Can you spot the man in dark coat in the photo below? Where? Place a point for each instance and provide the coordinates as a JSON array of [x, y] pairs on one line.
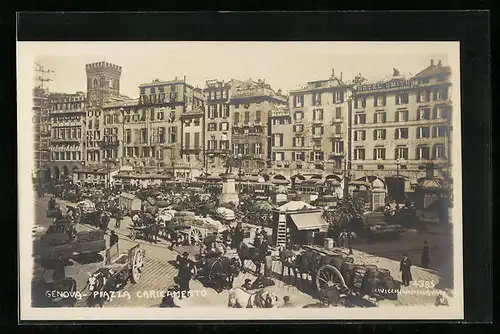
[[59, 268], [404, 267], [184, 274], [113, 240], [425, 255], [52, 203], [105, 221]]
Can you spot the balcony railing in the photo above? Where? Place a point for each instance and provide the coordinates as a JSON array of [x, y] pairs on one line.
[[337, 135], [334, 155], [65, 140], [218, 150], [336, 120], [317, 135], [317, 121]]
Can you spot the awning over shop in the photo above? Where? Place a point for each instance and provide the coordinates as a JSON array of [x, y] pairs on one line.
[[309, 221], [280, 181]]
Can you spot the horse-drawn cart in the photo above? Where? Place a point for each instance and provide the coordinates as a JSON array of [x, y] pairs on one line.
[[331, 269], [193, 229], [128, 265]]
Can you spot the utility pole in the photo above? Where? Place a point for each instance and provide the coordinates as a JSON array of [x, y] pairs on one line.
[[42, 79]]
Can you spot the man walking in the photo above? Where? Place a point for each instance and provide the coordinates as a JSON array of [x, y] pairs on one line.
[[404, 267], [105, 221], [184, 275], [268, 267], [425, 259], [113, 240]]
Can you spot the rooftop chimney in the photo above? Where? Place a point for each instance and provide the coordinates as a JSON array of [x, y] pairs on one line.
[[333, 73], [439, 63], [432, 62], [340, 76]]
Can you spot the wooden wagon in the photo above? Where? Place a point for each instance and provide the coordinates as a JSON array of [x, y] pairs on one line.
[[128, 265], [192, 229], [334, 270]]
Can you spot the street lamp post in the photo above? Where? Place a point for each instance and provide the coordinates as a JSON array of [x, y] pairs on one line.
[[240, 158]]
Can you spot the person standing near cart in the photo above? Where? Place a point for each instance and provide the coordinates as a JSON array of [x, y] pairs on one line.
[[404, 267], [184, 275]]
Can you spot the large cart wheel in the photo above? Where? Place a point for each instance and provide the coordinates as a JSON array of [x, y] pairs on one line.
[[137, 264], [132, 234], [195, 236], [328, 276]]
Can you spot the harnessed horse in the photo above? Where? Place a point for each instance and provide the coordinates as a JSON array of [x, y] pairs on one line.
[[240, 298], [221, 271], [98, 284], [256, 255]]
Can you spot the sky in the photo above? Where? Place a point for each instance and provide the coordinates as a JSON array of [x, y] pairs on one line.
[[284, 65]]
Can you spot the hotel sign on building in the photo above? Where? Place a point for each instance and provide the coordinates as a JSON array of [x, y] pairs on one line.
[[392, 85]]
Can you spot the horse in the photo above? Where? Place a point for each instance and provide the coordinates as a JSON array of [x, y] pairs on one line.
[[97, 284], [303, 263], [253, 254], [221, 271], [240, 298]]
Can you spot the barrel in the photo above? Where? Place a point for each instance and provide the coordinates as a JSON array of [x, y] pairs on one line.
[[369, 280], [347, 271], [328, 243]]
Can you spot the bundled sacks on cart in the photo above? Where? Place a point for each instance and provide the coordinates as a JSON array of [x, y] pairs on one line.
[[86, 206], [225, 214]]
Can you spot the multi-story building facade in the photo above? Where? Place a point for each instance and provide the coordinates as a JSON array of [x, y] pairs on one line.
[[400, 124], [154, 128], [218, 123], [67, 123], [251, 105], [41, 133], [281, 138], [103, 82], [320, 128]]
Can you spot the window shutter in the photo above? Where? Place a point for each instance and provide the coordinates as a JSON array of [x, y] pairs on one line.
[[293, 156], [434, 131], [294, 141], [375, 98], [445, 93], [355, 135], [385, 100], [374, 154], [374, 134], [396, 134], [311, 156], [396, 156], [434, 113], [383, 153], [445, 113], [418, 96], [364, 134], [342, 97], [322, 130], [435, 94], [375, 118], [364, 102], [384, 132]]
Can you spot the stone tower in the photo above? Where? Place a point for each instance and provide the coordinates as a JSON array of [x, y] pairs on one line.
[[103, 81]]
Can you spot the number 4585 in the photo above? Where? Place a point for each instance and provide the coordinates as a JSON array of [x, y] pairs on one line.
[[424, 284]]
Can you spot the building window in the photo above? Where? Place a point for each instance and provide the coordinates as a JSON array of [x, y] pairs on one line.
[[161, 115], [316, 99], [402, 98], [218, 95], [161, 135], [298, 116], [359, 167], [338, 112], [144, 136], [439, 152], [258, 116], [246, 150], [247, 117], [318, 115], [225, 110], [236, 118], [258, 148], [401, 153], [338, 129], [278, 156], [441, 94], [379, 153], [401, 116], [338, 146], [439, 131], [224, 126], [440, 112], [298, 128], [224, 94], [278, 140], [380, 166], [379, 117], [423, 132], [338, 97], [187, 140], [379, 101], [212, 126], [359, 154], [298, 101], [360, 119], [423, 114], [423, 96], [318, 156], [298, 142], [422, 153], [299, 156], [379, 134], [235, 149], [360, 102], [359, 135], [401, 133]]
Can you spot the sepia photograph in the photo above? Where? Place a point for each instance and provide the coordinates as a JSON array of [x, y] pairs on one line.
[[208, 177]]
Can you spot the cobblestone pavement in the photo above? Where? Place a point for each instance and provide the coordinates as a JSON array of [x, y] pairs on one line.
[[159, 274]]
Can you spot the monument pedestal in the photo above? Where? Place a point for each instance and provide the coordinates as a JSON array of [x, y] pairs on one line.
[[229, 194]]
